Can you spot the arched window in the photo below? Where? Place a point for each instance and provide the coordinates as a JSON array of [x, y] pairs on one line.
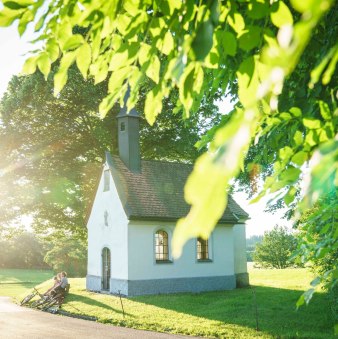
[[161, 246], [202, 249]]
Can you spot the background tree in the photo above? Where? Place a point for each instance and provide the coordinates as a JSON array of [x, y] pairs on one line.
[[251, 244], [23, 250], [276, 248], [68, 254], [53, 148]]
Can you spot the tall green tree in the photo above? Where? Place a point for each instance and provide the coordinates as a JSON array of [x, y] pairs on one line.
[[276, 248]]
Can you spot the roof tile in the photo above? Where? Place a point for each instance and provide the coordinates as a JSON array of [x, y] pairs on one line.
[[157, 192]]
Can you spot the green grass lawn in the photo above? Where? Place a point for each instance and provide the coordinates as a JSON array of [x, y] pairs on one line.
[[14, 282], [226, 314]]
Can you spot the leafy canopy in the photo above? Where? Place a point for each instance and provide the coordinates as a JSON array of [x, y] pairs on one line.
[[251, 48], [52, 148]]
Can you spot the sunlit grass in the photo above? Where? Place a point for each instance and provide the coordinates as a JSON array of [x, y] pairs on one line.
[[14, 282], [227, 314]]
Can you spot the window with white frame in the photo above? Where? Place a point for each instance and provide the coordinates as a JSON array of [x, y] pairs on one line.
[[202, 249], [161, 246]]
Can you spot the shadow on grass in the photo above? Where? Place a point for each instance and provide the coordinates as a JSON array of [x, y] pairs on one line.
[[92, 302], [277, 314]]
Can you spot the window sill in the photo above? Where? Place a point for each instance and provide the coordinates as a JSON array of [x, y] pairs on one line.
[[164, 262], [204, 260]]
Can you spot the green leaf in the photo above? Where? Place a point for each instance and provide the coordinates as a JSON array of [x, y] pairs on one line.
[[316, 72], [186, 87], [229, 43], [250, 38], [7, 16], [83, 59], [291, 174], [106, 104], [73, 42], [302, 6], [40, 23], [29, 66], [285, 116], [236, 21], [285, 153], [299, 158], [311, 123], [17, 4], [43, 63], [52, 48], [153, 70], [26, 18], [60, 78], [324, 110], [203, 40], [257, 9], [144, 53], [117, 79], [248, 81], [153, 104], [295, 111], [215, 11], [281, 14], [124, 56], [173, 5], [290, 196], [165, 45], [300, 301], [330, 69]]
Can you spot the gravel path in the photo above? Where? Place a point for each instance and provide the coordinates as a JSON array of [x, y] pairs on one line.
[[23, 322]]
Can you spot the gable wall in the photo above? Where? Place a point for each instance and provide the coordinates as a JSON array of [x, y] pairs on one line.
[[242, 276], [142, 263], [113, 236]]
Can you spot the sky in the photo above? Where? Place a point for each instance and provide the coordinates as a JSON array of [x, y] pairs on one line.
[[12, 50]]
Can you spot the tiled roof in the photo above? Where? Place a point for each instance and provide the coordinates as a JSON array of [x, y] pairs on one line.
[[156, 193]]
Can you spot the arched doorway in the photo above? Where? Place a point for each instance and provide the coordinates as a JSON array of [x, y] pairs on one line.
[[105, 269]]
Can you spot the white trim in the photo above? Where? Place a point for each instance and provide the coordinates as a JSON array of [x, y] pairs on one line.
[[169, 232]]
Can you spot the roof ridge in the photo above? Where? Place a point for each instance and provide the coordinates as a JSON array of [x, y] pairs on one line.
[[162, 161]]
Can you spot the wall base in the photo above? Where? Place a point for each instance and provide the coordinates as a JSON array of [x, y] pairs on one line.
[[163, 286], [242, 280], [93, 283]]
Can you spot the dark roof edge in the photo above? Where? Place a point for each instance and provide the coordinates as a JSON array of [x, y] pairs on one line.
[[152, 218]]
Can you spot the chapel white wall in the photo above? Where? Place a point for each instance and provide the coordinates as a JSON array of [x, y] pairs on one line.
[[142, 263], [114, 236], [240, 248]]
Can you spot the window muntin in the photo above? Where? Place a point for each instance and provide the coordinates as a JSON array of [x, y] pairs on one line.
[[161, 246], [202, 249], [106, 181]]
